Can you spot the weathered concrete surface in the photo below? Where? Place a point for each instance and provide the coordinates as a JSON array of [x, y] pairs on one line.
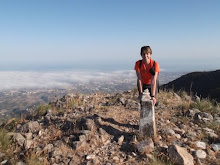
[[147, 127]]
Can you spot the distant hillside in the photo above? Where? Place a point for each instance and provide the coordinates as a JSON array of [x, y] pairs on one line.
[[204, 84]]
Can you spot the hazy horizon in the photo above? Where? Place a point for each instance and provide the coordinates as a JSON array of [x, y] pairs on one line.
[[16, 80]]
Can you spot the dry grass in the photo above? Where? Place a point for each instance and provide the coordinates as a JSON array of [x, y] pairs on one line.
[[6, 145], [161, 159], [37, 159]]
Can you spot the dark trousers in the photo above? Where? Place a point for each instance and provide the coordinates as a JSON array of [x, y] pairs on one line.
[[148, 86]]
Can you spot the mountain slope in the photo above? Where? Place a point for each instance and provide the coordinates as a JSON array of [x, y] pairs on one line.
[[103, 129], [204, 84]]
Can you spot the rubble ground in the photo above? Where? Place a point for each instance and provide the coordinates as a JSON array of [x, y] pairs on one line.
[[101, 128]]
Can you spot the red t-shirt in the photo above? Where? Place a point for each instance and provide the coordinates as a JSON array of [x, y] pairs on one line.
[[144, 70]]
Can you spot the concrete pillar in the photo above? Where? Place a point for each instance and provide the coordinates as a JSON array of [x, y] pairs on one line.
[[147, 126]]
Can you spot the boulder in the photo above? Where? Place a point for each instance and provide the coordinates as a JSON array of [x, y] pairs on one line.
[[32, 127], [203, 116], [180, 155]]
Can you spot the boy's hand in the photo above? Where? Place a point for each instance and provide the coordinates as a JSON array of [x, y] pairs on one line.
[[154, 100]]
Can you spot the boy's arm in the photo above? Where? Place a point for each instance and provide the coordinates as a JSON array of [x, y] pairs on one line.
[[139, 82], [153, 87]]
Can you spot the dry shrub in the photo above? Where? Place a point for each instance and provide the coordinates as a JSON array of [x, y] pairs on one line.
[[203, 105], [36, 159], [5, 140], [42, 109]]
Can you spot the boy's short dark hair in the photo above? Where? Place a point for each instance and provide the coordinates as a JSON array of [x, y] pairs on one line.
[[146, 49]]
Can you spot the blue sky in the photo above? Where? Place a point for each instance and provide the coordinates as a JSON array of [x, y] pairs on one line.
[[97, 34]]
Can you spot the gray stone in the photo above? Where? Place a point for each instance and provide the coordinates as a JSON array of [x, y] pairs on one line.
[[203, 116], [116, 159], [48, 148], [79, 144], [216, 147], [28, 144], [201, 145], [192, 112], [89, 157], [32, 126], [210, 132], [29, 136], [82, 138], [190, 134], [147, 126], [120, 140], [200, 154], [4, 162], [122, 100], [20, 163], [180, 155], [19, 139], [170, 132], [177, 136]]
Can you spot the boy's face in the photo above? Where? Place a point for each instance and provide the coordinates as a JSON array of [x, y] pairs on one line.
[[146, 56]]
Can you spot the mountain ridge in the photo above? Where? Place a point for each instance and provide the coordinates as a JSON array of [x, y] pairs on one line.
[[204, 84]]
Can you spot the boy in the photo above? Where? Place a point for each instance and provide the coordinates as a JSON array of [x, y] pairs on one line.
[[147, 71]]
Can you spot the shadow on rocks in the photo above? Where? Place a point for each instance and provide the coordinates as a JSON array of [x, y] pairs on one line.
[[111, 120], [128, 137]]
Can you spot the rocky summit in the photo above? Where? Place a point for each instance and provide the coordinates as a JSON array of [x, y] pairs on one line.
[[99, 128]]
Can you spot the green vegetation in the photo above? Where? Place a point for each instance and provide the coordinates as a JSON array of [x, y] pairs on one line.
[[5, 140], [205, 105], [41, 109], [182, 93]]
